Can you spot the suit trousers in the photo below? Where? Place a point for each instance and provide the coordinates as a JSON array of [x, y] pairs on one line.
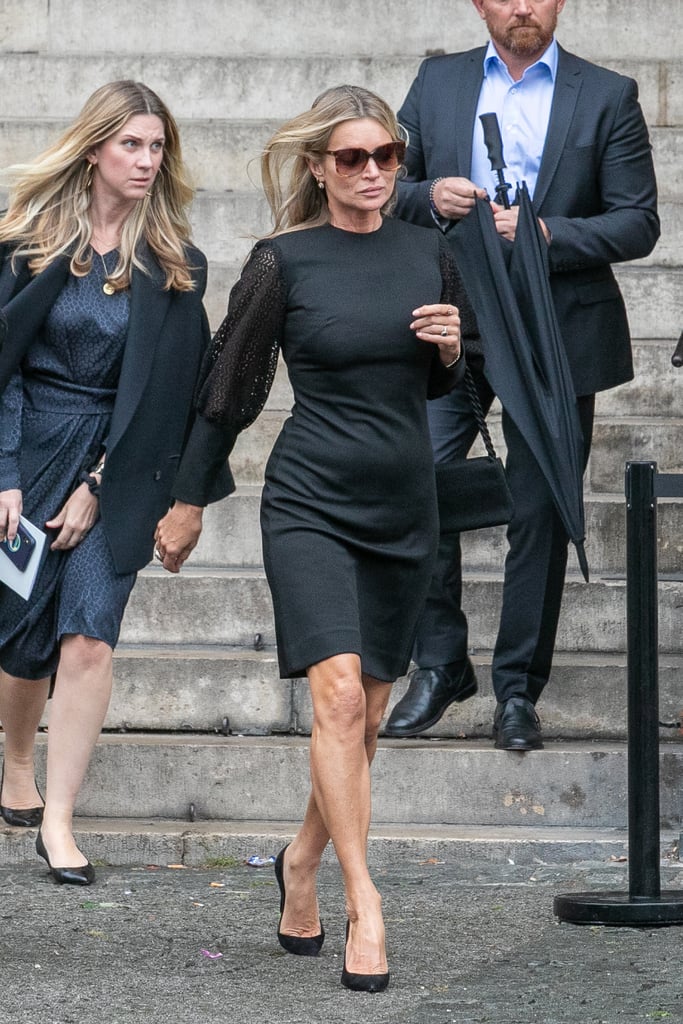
[[534, 567]]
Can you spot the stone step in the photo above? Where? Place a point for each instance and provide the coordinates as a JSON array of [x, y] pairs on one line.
[[215, 689], [633, 439], [279, 86], [231, 536], [225, 223], [614, 443], [652, 296], [415, 782], [656, 389], [223, 154], [232, 606], [633, 29], [217, 844]]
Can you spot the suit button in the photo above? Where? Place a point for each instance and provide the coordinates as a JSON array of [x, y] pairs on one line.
[[157, 474]]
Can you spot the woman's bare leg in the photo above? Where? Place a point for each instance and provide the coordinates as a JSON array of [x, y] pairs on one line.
[[301, 915], [79, 705], [348, 709], [22, 702]]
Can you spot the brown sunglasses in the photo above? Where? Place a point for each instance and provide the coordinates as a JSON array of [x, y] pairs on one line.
[[353, 161]]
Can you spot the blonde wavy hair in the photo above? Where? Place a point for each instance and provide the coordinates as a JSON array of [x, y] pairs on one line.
[[49, 209], [291, 190]]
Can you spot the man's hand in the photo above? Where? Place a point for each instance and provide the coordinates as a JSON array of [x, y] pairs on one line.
[[506, 222], [454, 197]]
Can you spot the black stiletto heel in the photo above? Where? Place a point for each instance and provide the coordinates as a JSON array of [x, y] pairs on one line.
[[29, 817], [292, 943], [362, 982], [82, 875]]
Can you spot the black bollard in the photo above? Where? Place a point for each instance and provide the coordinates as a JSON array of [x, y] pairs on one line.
[[645, 904]]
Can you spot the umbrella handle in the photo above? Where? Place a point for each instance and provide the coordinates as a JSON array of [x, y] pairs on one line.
[[677, 357], [494, 147]]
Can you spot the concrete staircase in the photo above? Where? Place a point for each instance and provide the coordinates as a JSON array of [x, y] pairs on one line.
[[204, 753]]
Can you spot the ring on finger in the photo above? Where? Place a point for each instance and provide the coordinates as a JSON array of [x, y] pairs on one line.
[[444, 331]]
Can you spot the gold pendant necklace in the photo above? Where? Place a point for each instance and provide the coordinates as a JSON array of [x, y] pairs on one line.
[[108, 288]]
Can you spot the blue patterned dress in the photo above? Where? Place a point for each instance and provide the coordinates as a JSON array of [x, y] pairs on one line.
[[54, 421]]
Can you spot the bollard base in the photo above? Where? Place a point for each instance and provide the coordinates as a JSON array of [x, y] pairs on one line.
[[618, 908]]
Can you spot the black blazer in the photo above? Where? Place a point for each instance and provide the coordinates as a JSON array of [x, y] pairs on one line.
[[168, 334], [596, 191]]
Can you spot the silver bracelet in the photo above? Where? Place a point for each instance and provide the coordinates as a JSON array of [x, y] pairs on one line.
[[432, 204]]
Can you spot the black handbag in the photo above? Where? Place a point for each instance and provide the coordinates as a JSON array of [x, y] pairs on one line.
[[473, 493]]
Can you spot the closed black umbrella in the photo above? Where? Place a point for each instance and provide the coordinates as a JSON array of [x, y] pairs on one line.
[[526, 363]]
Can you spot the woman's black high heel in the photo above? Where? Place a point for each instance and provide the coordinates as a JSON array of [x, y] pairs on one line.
[[82, 875], [292, 943], [362, 982], [29, 817]]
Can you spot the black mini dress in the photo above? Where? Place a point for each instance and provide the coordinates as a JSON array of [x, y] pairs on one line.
[[349, 517]]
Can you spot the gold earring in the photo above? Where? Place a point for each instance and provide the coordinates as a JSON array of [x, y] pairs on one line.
[[89, 172]]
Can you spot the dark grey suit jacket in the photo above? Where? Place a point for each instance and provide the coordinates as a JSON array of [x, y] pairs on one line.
[[596, 191], [168, 334]]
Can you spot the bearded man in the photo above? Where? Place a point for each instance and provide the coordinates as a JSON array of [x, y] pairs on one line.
[[576, 134]]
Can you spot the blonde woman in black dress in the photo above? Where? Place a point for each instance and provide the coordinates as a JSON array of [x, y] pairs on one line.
[[365, 311], [102, 293]]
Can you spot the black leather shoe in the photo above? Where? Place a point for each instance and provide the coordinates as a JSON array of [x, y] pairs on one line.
[[293, 943], [430, 692], [24, 817], [82, 875], [516, 726], [29, 818]]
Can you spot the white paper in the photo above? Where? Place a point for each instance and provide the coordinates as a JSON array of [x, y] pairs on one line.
[[22, 582]]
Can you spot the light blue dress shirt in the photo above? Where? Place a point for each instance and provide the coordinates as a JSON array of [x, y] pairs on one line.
[[523, 110]]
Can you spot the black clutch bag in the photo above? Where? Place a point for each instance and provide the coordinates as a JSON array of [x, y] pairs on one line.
[[473, 493]]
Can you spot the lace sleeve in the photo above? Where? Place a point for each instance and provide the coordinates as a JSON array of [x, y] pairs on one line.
[[454, 293], [241, 361], [443, 379]]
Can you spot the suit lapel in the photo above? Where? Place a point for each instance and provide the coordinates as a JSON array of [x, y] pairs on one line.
[[466, 98], [26, 309], [567, 89], [148, 307], [10, 282]]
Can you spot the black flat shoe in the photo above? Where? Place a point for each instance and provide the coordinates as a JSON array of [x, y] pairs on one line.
[[83, 875], [430, 693], [24, 817], [362, 982], [516, 726], [32, 817], [292, 943]]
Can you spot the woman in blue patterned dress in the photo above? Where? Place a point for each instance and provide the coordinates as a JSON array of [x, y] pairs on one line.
[[102, 294]]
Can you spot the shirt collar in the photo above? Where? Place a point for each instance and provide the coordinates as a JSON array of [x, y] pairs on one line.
[[548, 59]]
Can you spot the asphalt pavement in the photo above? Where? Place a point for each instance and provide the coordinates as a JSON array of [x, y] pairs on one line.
[[468, 943]]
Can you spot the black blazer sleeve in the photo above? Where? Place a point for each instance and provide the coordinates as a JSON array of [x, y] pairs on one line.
[[603, 205]]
